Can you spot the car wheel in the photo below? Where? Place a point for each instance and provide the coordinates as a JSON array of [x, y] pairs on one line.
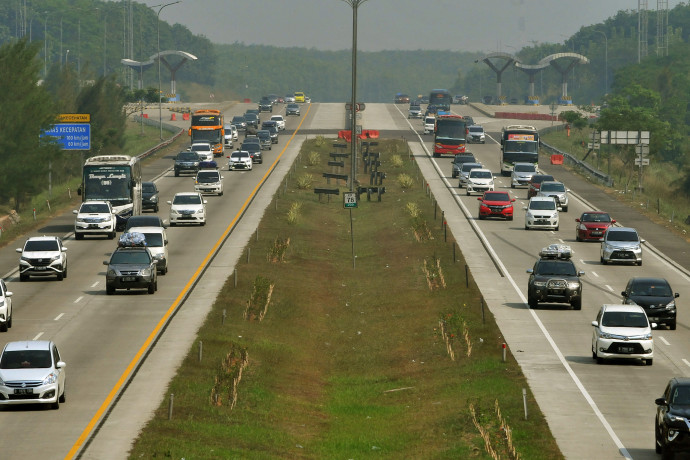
[[172, 224], [3, 327], [577, 304], [667, 454], [594, 354], [177, 173], [603, 262], [577, 237], [9, 320], [526, 227], [60, 276], [671, 326], [468, 193], [481, 217], [565, 209], [454, 176], [649, 362], [510, 217], [203, 223], [152, 288], [556, 228], [155, 285], [532, 302], [600, 360], [220, 194], [155, 209], [56, 404], [512, 185], [639, 264], [78, 236], [111, 235], [64, 272], [23, 277], [109, 290]]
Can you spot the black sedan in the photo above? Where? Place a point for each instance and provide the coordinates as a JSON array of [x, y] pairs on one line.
[[149, 196], [655, 296]]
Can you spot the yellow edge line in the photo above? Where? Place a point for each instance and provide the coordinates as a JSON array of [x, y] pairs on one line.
[[137, 357]]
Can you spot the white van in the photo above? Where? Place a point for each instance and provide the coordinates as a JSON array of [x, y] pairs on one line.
[[429, 124], [209, 181]]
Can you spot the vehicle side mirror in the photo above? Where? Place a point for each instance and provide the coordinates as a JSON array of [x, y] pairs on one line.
[[642, 241], [653, 325], [19, 250], [624, 294], [512, 200], [75, 212], [530, 271], [165, 241], [479, 198], [660, 402], [595, 323], [105, 262], [577, 220], [169, 202], [613, 221], [525, 208], [581, 273], [676, 295], [64, 249], [60, 364], [9, 294], [205, 201]]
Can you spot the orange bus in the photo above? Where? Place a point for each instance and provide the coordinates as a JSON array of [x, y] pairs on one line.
[[207, 126]]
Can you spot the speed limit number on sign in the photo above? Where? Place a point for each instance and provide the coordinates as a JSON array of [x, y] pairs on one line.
[[349, 200]]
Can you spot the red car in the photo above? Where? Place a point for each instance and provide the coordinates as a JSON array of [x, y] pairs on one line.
[[592, 225], [535, 184], [496, 204]]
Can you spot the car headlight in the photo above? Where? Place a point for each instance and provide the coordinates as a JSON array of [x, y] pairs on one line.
[[606, 335], [583, 227], [573, 285], [647, 336], [107, 219], [145, 272], [54, 258], [50, 379], [111, 272], [528, 214], [540, 283], [24, 259], [174, 211], [158, 256], [81, 219], [200, 211], [669, 306], [554, 215]]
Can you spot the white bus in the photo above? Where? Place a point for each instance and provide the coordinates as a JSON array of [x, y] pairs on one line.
[[114, 178]]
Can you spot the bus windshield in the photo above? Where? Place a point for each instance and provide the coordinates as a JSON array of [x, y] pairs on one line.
[[212, 136], [111, 183], [521, 146], [450, 129]]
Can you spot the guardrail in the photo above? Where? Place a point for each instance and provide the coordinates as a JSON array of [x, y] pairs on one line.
[[571, 160], [167, 127]]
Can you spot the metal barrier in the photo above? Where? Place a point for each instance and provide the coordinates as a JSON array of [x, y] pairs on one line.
[[151, 122], [571, 160]]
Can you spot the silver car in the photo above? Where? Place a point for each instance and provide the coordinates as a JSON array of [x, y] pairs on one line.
[[464, 172], [621, 244], [475, 134], [556, 190], [522, 174]]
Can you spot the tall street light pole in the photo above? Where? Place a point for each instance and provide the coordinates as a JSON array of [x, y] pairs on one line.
[[160, 97], [606, 61], [105, 32], [354, 4], [45, 46]]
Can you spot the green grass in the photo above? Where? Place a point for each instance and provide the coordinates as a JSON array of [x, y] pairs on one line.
[[662, 198], [347, 363]]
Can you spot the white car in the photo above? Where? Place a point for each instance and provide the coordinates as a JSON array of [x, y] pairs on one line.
[[280, 121], [240, 159], [289, 98], [479, 180], [227, 134], [187, 208], [43, 256], [622, 331], [5, 307], [157, 242], [522, 174], [475, 133], [557, 190], [203, 149], [429, 124], [464, 172], [542, 212], [32, 372], [94, 218], [209, 181]]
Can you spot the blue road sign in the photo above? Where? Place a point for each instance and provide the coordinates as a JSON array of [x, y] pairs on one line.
[[71, 136]]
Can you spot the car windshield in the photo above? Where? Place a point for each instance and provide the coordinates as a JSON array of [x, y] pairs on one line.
[[94, 208], [130, 257], [525, 168], [540, 179], [207, 177], [460, 159], [253, 147], [496, 196], [556, 268], [480, 174], [41, 245], [595, 217], [154, 240], [26, 359], [542, 205], [470, 166], [651, 289], [624, 319], [476, 129], [148, 187], [557, 187], [238, 119], [143, 221], [616, 235], [239, 155], [681, 396], [187, 199], [187, 156]]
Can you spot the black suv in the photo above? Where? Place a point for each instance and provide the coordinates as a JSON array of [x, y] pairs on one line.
[[131, 268], [655, 296], [460, 159], [149, 196], [272, 128], [252, 120], [265, 105], [186, 162], [672, 425], [554, 278]]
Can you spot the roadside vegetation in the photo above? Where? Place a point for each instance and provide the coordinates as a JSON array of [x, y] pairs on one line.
[[314, 355]]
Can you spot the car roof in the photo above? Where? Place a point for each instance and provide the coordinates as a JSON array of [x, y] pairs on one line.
[[476, 126], [98, 201], [549, 182], [185, 194], [146, 230], [682, 381], [28, 345], [43, 238], [480, 170], [622, 229], [622, 307], [542, 177], [542, 198]]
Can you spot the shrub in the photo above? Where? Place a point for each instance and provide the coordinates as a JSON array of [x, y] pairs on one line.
[[405, 181], [305, 181], [293, 213], [314, 158], [396, 161]]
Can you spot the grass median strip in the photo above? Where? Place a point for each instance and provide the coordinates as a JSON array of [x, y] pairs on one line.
[[317, 359]]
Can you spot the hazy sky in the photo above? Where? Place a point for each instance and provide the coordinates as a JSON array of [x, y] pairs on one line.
[[458, 25]]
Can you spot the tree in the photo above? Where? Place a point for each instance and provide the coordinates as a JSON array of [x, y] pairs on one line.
[[104, 101], [26, 110]]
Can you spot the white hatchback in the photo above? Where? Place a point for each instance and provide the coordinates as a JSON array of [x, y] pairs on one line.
[[542, 212], [209, 181], [280, 121], [187, 208], [479, 180], [203, 149], [240, 159], [622, 331]]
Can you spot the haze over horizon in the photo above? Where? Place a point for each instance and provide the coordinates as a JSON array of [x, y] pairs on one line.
[[489, 25]]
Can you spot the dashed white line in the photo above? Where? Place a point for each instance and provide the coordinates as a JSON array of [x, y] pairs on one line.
[[608, 287], [686, 362], [41, 333], [95, 284], [595, 274], [664, 340], [58, 317], [79, 299]]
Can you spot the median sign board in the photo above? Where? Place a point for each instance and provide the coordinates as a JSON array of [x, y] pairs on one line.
[[349, 200], [71, 136]]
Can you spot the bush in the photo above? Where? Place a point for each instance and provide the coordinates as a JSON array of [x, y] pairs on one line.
[[405, 181], [305, 181]]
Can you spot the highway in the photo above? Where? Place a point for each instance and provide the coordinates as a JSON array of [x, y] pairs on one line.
[[595, 411]]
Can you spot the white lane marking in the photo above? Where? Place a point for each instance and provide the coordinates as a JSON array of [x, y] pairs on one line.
[[58, 317], [686, 362], [595, 274], [79, 298], [664, 340], [95, 284], [41, 333], [561, 240], [608, 287], [578, 383]]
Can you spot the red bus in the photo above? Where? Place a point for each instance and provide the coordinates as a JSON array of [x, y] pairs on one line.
[[449, 135]]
